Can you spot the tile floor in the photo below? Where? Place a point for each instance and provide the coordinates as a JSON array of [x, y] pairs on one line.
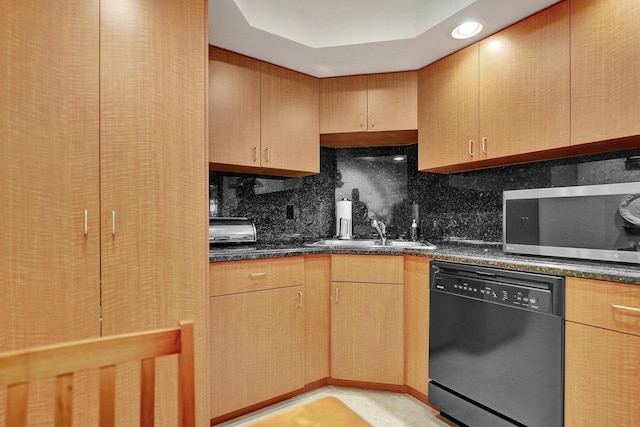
[[378, 408]]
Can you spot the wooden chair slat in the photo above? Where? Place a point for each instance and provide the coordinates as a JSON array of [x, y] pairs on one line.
[[64, 401], [17, 402], [147, 392]]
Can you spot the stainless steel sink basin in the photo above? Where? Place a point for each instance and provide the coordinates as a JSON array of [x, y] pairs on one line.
[[372, 244]]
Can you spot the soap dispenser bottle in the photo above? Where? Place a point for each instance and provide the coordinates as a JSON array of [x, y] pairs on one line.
[[413, 231]]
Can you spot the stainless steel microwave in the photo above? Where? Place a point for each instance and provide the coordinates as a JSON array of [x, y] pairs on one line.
[[599, 222]]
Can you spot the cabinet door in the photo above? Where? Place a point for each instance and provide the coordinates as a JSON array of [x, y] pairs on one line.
[[290, 132], [153, 177], [257, 347], [605, 70], [367, 332], [601, 377], [524, 85], [317, 284], [49, 265], [416, 287], [448, 120], [234, 108], [392, 100], [343, 104]]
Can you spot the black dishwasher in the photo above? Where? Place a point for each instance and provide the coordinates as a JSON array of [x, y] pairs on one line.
[[496, 346]]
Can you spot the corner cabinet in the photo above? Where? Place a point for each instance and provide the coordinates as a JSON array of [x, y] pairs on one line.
[[605, 70], [503, 97], [375, 107], [263, 118], [104, 173], [602, 349], [367, 339]]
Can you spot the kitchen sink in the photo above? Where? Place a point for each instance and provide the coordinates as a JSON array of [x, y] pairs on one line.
[[372, 244]]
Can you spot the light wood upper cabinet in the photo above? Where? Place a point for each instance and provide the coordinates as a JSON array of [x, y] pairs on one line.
[[343, 104], [448, 98], [234, 108], [367, 339], [505, 96], [290, 134], [369, 103], [524, 86], [262, 118], [602, 349], [605, 70], [392, 100]]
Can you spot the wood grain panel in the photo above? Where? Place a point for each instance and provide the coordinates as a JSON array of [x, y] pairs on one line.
[[367, 268], [367, 332], [153, 162], [590, 302], [343, 104], [448, 110], [290, 131], [317, 284], [234, 108], [257, 347], [601, 377], [416, 327], [234, 277], [49, 269], [524, 85], [392, 100], [605, 70]]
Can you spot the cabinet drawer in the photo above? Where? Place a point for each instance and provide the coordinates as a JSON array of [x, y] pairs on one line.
[[609, 305], [233, 277], [367, 268]]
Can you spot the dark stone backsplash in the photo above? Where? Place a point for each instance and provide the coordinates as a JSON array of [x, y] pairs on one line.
[[464, 205]]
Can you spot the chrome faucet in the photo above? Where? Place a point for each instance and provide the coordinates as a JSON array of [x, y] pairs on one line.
[[381, 228]]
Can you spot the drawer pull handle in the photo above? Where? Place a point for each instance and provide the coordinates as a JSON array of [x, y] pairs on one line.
[[86, 222], [337, 294], [301, 300], [470, 147], [624, 307], [257, 274]]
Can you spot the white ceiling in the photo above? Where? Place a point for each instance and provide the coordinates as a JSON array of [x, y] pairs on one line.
[[326, 38]]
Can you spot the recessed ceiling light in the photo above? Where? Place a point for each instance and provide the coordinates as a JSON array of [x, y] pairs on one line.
[[467, 29]]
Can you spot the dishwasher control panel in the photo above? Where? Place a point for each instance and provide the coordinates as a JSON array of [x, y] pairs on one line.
[[515, 295]]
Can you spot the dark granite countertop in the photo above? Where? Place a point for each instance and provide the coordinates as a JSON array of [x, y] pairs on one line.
[[490, 255]]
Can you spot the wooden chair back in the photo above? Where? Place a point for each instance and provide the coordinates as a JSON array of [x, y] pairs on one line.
[[18, 368]]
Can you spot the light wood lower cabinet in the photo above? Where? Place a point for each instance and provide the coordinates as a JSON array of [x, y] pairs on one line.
[[416, 326], [257, 326], [367, 340], [317, 307], [257, 347], [602, 350]]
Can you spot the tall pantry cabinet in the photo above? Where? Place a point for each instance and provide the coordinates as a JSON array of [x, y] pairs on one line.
[[103, 166]]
